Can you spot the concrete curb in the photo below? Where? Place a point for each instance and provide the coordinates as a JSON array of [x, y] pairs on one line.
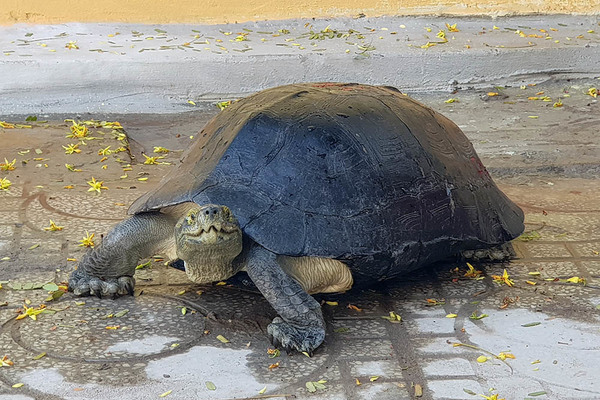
[[147, 68]]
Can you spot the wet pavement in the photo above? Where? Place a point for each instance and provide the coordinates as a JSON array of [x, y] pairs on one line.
[[165, 340]]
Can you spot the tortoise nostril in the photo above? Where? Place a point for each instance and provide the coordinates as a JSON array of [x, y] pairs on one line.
[[206, 212], [215, 212]]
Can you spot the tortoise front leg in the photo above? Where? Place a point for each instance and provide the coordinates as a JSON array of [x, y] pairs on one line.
[[107, 270], [300, 325]]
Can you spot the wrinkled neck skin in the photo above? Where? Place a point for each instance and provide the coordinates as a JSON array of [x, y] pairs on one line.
[[210, 265]]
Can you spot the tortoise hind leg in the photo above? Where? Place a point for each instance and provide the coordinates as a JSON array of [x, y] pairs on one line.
[[500, 253]]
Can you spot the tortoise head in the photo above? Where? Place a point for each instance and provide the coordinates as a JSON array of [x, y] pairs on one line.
[[208, 238]]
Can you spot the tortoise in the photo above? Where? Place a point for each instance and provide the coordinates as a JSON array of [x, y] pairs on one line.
[[311, 188]]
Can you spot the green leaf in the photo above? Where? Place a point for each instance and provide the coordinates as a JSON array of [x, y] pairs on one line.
[[39, 356], [472, 393], [310, 386], [121, 313], [31, 118], [210, 385], [534, 394], [183, 310], [341, 330], [263, 390], [477, 317], [51, 287], [222, 339], [55, 295], [529, 236], [15, 286], [159, 30], [531, 324], [144, 265], [319, 385], [165, 394]]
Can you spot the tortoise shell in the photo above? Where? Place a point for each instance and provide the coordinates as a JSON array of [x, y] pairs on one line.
[[354, 172]]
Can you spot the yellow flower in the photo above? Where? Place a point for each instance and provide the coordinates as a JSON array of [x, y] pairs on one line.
[[53, 227], [8, 166], [87, 241], [152, 160], [224, 104], [505, 278], [503, 356], [159, 149], [4, 184], [104, 152], [492, 397], [78, 130], [72, 148], [472, 272], [31, 312], [452, 28], [72, 45], [72, 168], [96, 185]]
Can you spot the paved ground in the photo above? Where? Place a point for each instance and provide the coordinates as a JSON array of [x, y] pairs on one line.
[[164, 340], [159, 68]]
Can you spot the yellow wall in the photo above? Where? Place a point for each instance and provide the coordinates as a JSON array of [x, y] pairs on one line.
[[220, 11]]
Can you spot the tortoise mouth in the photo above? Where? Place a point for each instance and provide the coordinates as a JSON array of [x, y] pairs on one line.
[[214, 229]]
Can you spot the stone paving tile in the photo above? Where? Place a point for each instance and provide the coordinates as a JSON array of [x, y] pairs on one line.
[[453, 388], [383, 391], [547, 250], [450, 367]]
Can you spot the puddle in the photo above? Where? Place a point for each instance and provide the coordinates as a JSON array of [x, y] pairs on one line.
[[149, 345], [567, 352], [184, 374]]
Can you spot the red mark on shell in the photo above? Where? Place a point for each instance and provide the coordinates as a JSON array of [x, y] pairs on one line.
[[480, 167]]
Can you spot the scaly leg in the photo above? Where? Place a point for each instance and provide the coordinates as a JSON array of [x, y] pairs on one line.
[[300, 325], [107, 270]]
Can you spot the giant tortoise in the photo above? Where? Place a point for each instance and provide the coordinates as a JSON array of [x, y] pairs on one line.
[[310, 188]]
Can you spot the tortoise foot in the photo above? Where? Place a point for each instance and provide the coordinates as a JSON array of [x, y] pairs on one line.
[[83, 284], [293, 338], [503, 252]]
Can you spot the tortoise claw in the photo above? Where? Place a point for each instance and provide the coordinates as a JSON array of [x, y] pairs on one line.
[[291, 338], [83, 284]]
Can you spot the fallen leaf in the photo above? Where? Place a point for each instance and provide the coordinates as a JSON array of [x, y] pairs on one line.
[[222, 339], [18, 385], [165, 394], [477, 317], [418, 390], [535, 394], [482, 359], [210, 385], [531, 324], [263, 390], [451, 315]]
